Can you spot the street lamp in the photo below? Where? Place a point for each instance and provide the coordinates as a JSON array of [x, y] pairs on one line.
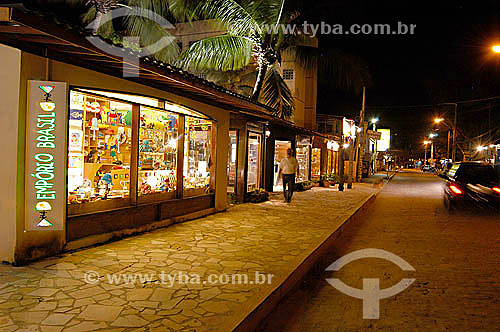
[[451, 127], [374, 122], [496, 49]]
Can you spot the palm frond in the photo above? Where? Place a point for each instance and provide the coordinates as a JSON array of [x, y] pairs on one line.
[[184, 10], [149, 33], [277, 94], [237, 20], [225, 52], [306, 56], [348, 72], [344, 71]]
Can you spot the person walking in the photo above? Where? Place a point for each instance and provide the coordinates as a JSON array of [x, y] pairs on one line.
[[289, 166]]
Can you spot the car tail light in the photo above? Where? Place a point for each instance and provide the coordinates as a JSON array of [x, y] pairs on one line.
[[496, 189], [456, 190]]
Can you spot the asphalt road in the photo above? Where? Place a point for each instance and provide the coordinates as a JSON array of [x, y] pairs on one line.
[[456, 261]]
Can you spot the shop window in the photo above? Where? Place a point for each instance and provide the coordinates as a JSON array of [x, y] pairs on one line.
[[303, 157], [288, 74], [199, 157], [316, 163], [254, 161], [99, 149], [232, 161], [158, 138]]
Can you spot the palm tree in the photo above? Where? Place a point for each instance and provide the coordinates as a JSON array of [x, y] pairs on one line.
[[254, 33]]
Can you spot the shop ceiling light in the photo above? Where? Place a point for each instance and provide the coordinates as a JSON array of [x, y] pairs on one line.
[[496, 189]]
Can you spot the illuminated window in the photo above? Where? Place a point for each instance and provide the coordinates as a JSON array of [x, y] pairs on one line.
[[99, 149], [316, 163], [254, 168], [232, 161], [157, 152], [199, 157]]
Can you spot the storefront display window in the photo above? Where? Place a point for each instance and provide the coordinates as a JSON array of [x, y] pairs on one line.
[[199, 157], [122, 153], [232, 161], [99, 149], [303, 157], [316, 163], [157, 152], [254, 161]]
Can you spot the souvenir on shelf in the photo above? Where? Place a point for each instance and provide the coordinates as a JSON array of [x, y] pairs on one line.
[[100, 149]]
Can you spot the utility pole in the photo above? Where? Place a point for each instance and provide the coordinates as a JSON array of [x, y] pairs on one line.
[[425, 160], [341, 166], [362, 138], [352, 156], [432, 153], [454, 153], [448, 149]]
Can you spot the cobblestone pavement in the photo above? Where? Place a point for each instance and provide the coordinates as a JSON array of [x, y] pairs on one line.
[[456, 259], [52, 295]]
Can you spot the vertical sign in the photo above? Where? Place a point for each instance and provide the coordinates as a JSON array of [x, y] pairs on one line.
[[384, 143], [45, 156]]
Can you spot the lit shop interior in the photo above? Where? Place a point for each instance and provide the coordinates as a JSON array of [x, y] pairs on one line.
[[303, 155], [316, 163], [126, 149], [245, 157]]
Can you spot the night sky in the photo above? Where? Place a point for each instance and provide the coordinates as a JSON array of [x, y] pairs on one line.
[[448, 59]]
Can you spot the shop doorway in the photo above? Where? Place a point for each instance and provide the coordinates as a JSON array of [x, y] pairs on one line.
[[280, 148], [254, 169]]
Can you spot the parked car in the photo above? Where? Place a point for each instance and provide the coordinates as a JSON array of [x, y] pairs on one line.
[[428, 169], [471, 184]]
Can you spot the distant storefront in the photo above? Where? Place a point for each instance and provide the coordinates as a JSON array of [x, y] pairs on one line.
[[246, 156]]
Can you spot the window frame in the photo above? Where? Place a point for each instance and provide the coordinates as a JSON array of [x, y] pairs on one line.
[[133, 199]]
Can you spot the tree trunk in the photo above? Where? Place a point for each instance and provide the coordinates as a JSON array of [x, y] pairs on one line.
[[97, 23], [259, 83]]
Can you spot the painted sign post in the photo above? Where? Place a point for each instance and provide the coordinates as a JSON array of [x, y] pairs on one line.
[[45, 156]]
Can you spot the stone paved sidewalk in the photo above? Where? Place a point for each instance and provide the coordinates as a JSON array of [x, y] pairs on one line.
[[52, 295]]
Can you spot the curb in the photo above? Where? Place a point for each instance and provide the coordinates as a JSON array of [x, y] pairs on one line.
[[258, 309]]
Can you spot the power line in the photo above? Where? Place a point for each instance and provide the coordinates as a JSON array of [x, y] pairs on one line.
[[433, 105]]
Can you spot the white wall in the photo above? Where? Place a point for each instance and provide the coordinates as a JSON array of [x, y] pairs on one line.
[[10, 69]]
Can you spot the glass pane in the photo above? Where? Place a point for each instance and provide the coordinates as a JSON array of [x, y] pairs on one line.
[[254, 162], [316, 163], [303, 159], [199, 156], [158, 138], [99, 149], [231, 161]]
